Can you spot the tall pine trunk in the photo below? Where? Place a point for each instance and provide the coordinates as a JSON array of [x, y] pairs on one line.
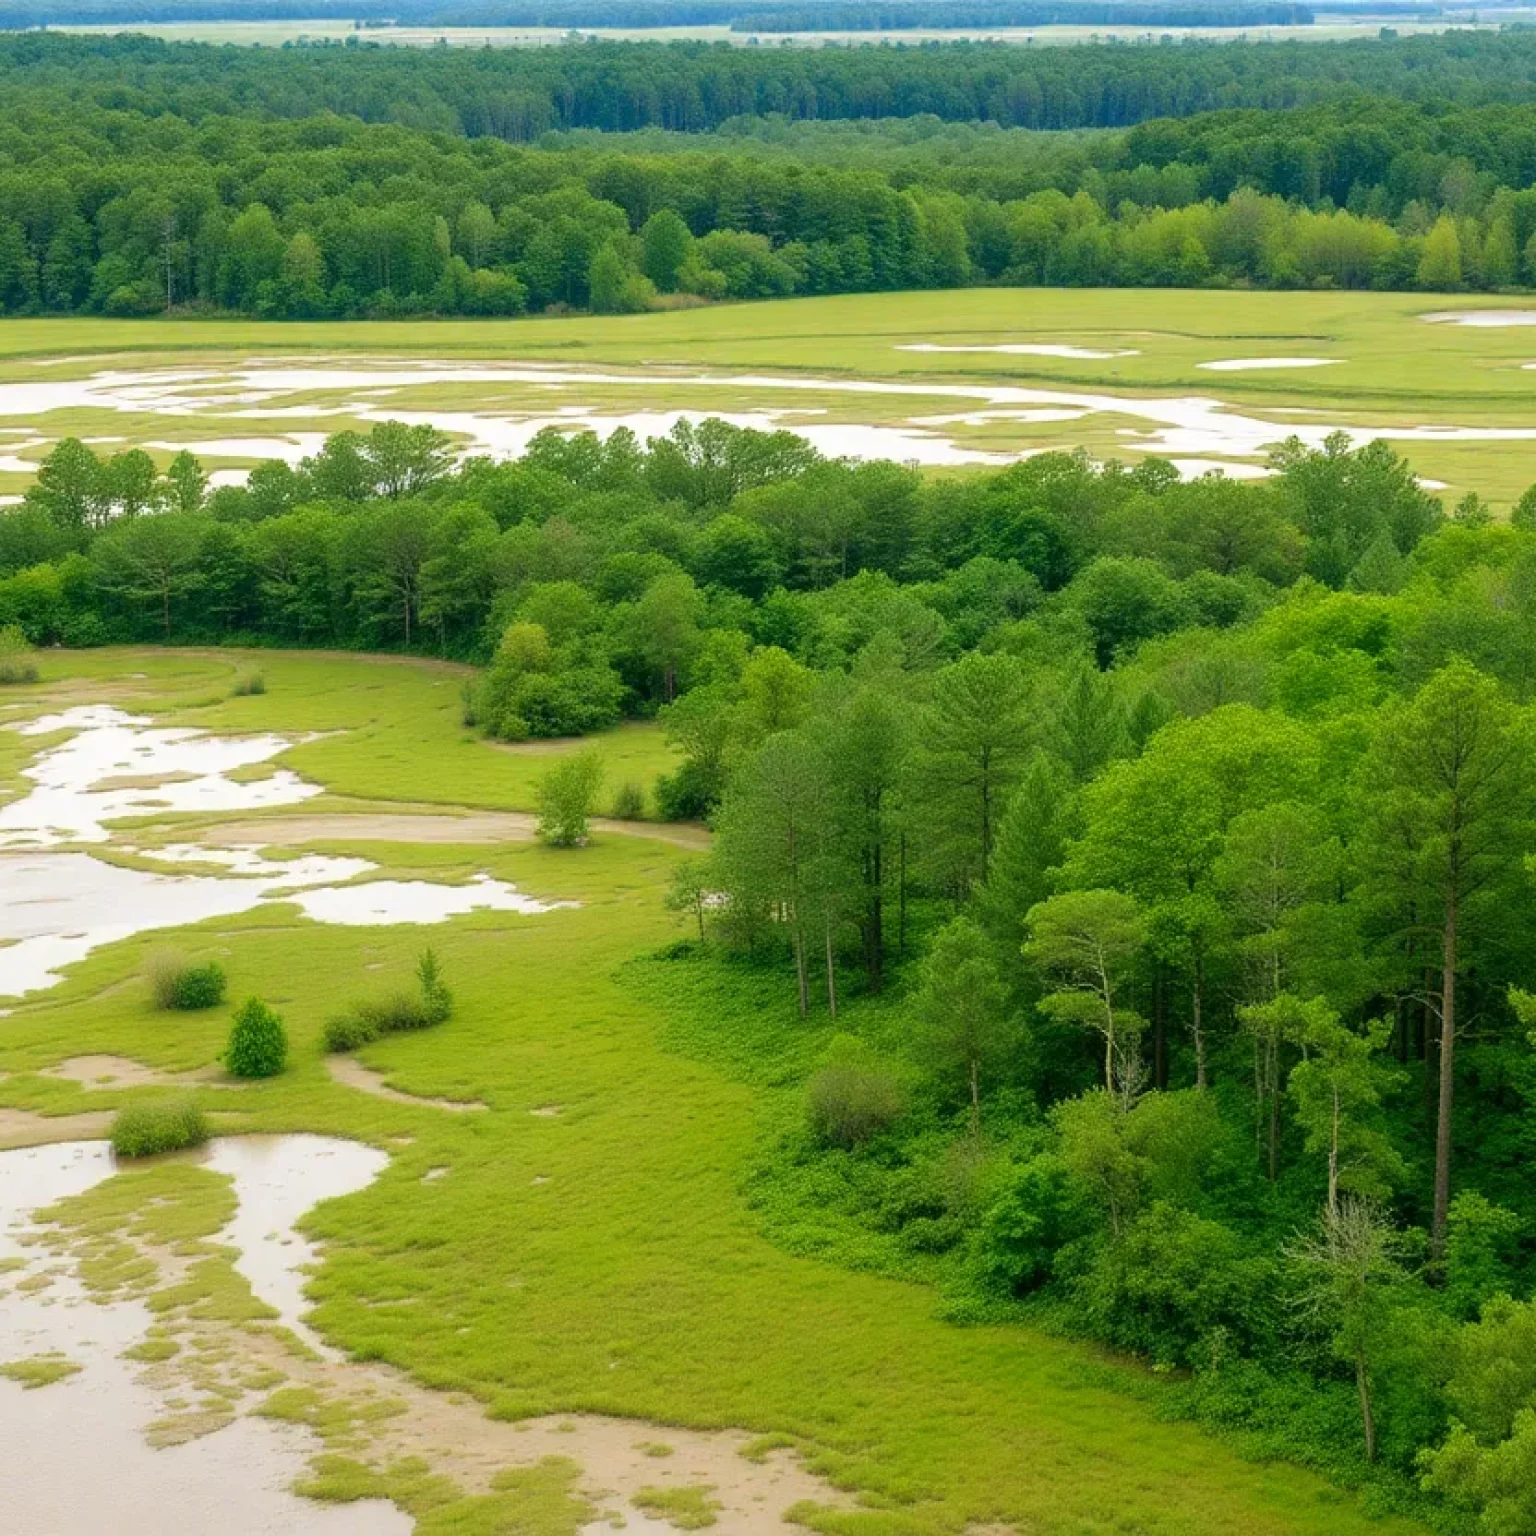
[[1442, 1203]]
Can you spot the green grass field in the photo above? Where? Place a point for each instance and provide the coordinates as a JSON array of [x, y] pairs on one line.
[[605, 1259], [1391, 372]]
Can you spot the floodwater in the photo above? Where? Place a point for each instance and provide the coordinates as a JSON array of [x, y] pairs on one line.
[[1251, 364], [1482, 318], [1024, 349], [77, 1460], [57, 904], [1176, 426]]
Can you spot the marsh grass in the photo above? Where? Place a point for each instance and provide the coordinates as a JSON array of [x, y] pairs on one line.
[[250, 682], [689, 1508], [39, 1370], [166, 1125]]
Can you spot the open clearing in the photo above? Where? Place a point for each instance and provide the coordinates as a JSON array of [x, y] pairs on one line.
[[594, 1279], [1208, 379]]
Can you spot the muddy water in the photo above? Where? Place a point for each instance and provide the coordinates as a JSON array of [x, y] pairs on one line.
[[57, 906], [77, 1461], [1177, 427]]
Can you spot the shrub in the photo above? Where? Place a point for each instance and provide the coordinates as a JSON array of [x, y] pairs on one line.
[[162, 973], [566, 794], [200, 986], [436, 999], [258, 1042], [848, 1103], [349, 1031], [248, 681], [175, 984], [394, 1013], [629, 802], [141, 1130], [16, 660]]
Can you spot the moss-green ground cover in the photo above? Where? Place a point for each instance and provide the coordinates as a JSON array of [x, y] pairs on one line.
[[1390, 369], [604, 1258]]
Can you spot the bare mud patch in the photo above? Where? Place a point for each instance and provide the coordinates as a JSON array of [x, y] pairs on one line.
[[429, 828], [351, 1073], [123, 1072]]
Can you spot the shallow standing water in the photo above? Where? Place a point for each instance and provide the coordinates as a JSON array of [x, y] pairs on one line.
[[56, 906], [77, 1461]]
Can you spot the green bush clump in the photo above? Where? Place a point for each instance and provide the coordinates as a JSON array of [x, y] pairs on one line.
[[173, 983], [142, 1130], [848, 1103], [248, 682], [258, 1042], [16, 658], [394, 1013]]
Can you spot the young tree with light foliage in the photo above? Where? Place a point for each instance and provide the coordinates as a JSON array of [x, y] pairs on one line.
[[963, 1006], [566, 795], [1086, 942], [1347, 1269]]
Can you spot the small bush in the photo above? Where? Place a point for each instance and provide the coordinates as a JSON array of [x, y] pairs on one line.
[[629, 802], [175, 984], [16, 659], [142, 1130], [258, 1042], [847, 1104], [350, 1031], [248, 682], [200, 986], [394, 1013]]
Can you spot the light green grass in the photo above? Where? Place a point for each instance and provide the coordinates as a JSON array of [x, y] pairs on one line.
[[39, 1371], [605, 1260], [1393, 369]]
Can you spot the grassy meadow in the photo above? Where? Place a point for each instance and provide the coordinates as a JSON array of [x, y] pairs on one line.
[[1389, 370], [604, 1257]]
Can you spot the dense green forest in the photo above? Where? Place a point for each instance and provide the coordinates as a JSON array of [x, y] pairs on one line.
[[136, 177], [1160, 847]]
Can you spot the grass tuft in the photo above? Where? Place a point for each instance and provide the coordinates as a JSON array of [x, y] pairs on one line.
[[689, 1508], [143, 1130], [39, 1371]]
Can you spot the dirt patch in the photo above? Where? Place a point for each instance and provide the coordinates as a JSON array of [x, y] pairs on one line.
[[123, 1072], [139, 781], [351, 1073], [22, 1128], [548, 1111], [393, 827]]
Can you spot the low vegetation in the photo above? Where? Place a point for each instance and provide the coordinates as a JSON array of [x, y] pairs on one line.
[[689, 1508], [175, 983], [39, 1371], [395, 1012], [258, 1041], [161, 1125], [18, 662], [249, 682]]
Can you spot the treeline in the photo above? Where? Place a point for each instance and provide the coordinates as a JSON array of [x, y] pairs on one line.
[[904, 15], [746, 15], [1094, 823], [106, 212], [519, 93]]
